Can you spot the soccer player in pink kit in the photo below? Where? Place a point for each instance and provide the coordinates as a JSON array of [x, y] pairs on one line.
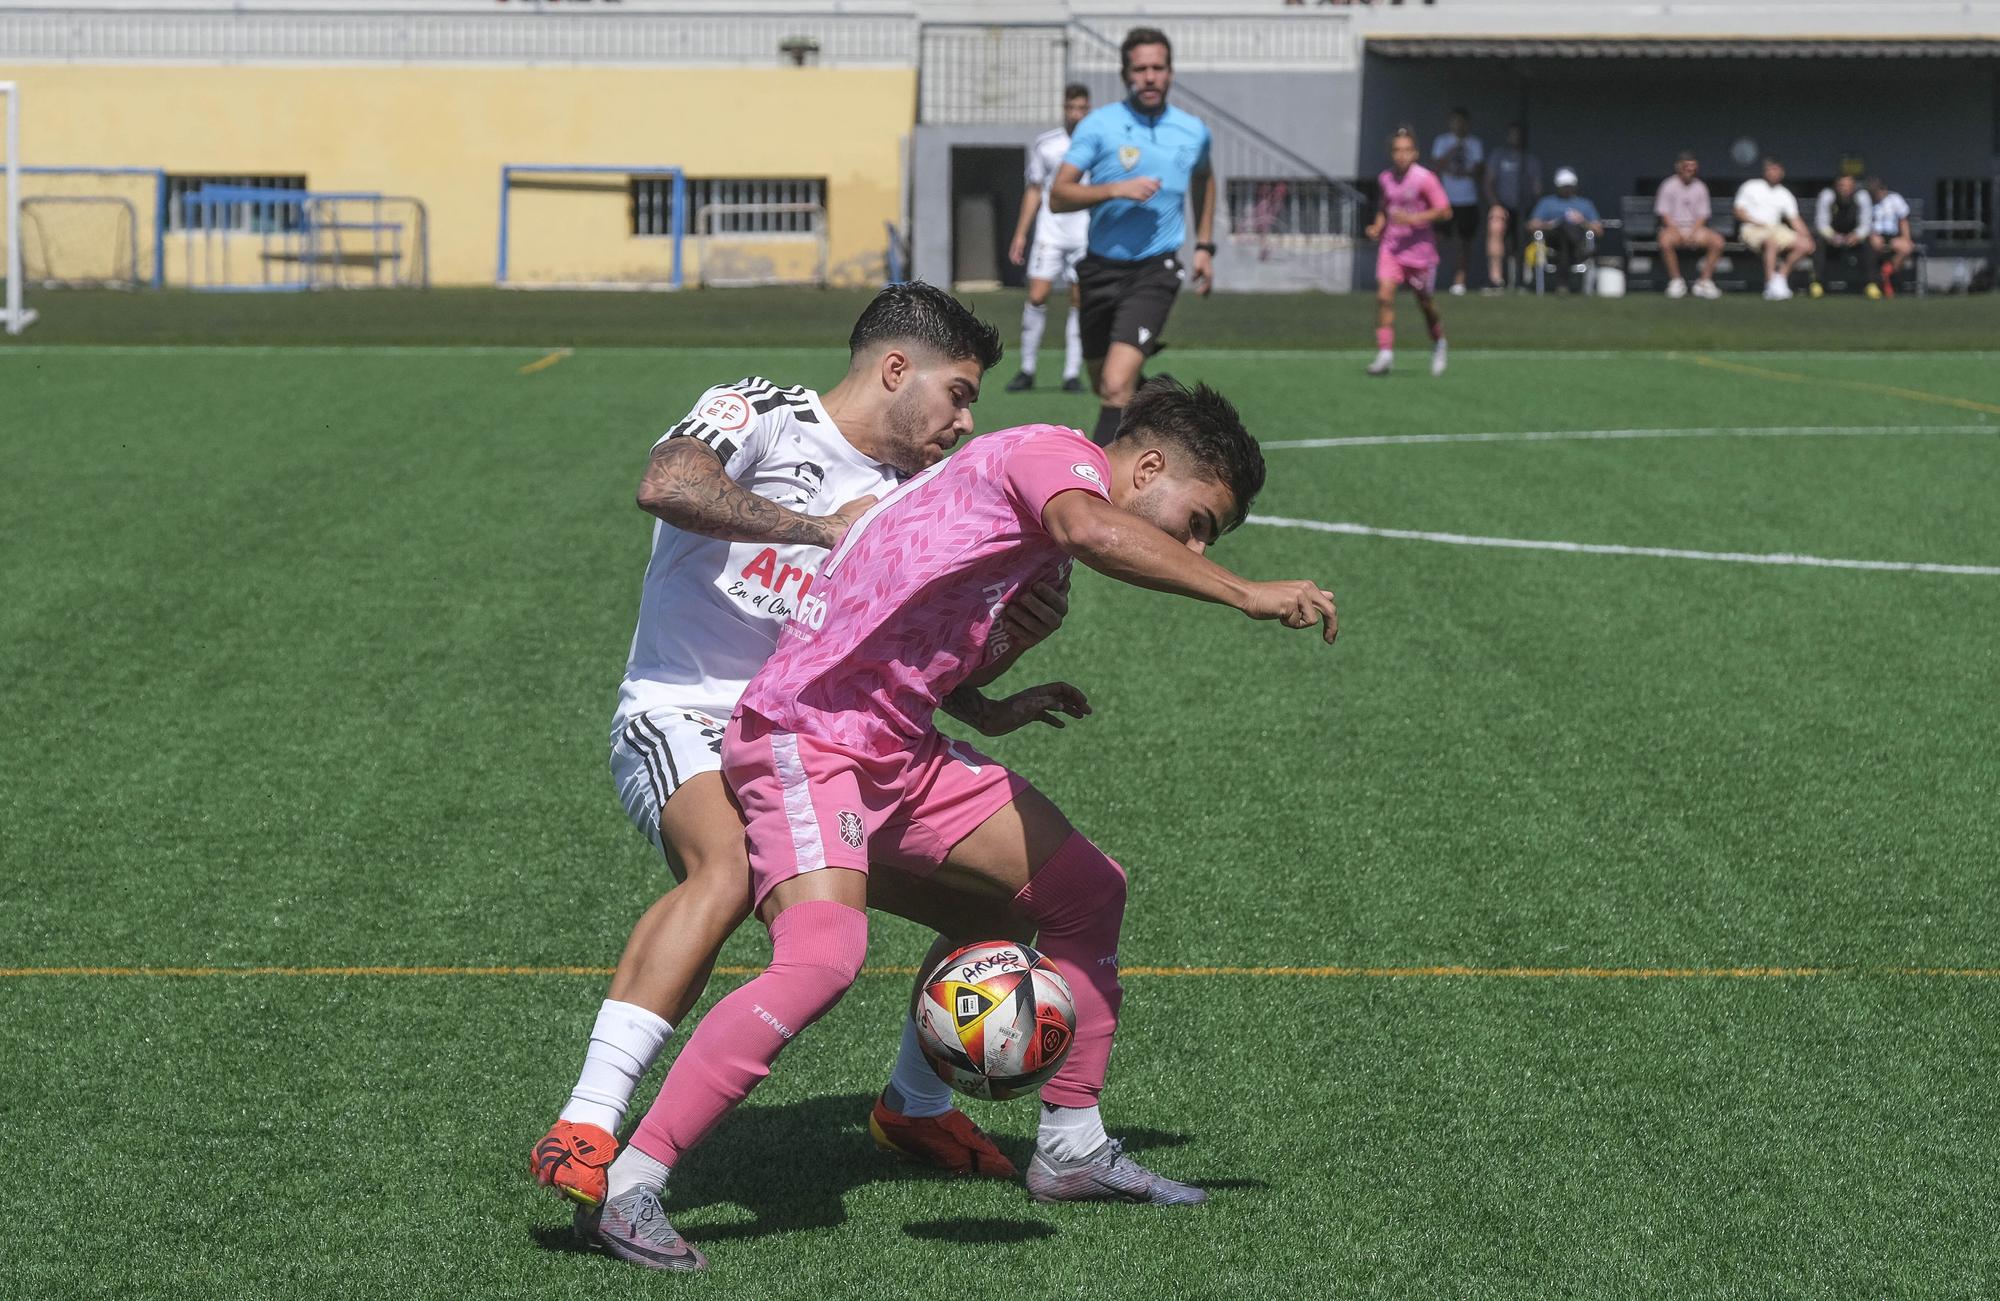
[[1413, 201], [836, 763]]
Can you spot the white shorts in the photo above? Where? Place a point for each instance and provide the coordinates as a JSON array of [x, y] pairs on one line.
[[653, 754], [1054, 263]]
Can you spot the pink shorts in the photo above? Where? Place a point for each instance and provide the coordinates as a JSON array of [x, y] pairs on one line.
[[809, 804], [1418, 272]]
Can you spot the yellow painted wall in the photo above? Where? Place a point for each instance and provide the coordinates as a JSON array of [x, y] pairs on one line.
[[441, 134]]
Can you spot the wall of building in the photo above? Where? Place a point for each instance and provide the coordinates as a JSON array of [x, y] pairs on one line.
[[440, 134]]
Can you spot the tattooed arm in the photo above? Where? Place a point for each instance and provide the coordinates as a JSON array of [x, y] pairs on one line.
[[687, 486]]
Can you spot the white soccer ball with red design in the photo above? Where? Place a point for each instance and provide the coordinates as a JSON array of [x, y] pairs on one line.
[[996, 1019]]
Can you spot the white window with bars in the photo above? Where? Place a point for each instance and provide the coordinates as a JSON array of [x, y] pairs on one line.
[[763, 207], [1262, 207], [250, 218]]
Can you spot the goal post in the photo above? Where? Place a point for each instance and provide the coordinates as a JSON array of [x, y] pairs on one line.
[[14, 315], [94, 227], [591, 226]]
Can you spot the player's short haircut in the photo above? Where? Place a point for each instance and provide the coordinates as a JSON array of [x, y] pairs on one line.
[[1203, 426], [1075, 90], [1684, 156], [1461, 111], [1772, 160], [1874, 183], [915, 312], [1142, 36], [1402, 131]]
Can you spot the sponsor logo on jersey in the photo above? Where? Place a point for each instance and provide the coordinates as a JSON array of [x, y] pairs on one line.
[[850, 829], [1085, 470], [726, 411]]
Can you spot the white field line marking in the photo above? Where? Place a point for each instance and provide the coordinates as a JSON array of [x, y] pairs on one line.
[[494, 349], [1590, 435], [1610, 549]]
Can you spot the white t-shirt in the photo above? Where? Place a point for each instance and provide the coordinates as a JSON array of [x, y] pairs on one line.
[[1459, 190], [1765, 204], [710, 610], [1045, 159], [1890, 214]]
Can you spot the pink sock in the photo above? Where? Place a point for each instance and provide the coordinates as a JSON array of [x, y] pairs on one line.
[[1385, 337], [1078, 901], [817, 948]]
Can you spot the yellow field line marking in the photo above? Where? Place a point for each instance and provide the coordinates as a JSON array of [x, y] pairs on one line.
[[1309, 973], [1858, 385], [548, 361]]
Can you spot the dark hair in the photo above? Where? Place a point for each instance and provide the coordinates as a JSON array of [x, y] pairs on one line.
[[1142, 36], [1075, 90], [1402, 131], [1685, 156], [1461, 112], [1203, 426], [1772, 160], [1874, 183], [914, 312]]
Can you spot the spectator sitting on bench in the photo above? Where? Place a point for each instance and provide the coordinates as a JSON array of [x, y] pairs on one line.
[[1844, 219], [1682, 206], [1567, 222], [1892, 239], [1512, 183], [1768, 223]]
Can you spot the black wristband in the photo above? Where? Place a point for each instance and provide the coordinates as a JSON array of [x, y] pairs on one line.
[[1205, 248]]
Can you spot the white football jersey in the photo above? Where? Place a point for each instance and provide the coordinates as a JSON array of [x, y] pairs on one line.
[[1045, 159], [710, 610]]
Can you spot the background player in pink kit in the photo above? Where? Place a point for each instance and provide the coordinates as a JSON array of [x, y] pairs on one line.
[[1413, 201], [836, 763]]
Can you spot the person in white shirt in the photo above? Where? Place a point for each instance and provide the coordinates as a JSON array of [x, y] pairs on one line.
[[1768, 223], [1843, 220], [749, 492], [1061, 240], [1892, 240], [1459, 159]]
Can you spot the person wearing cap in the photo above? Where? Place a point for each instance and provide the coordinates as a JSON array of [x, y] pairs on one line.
[[1567, 221]]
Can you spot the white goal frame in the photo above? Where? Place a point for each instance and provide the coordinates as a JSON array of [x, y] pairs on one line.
[[13, 315]]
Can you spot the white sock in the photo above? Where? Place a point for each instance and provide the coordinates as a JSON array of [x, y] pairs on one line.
[[1034, 320], [1070, 1133], [1073, 344], [914, 1087], [624, 1044], [634, 1169]]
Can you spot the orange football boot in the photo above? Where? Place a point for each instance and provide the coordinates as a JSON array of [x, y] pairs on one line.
[[950, 1142], [571, 1159]]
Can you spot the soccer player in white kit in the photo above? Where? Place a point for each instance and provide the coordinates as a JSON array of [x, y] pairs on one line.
[[749, 491], [1061, 239]]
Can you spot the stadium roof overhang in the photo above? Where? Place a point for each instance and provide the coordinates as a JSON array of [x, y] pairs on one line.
[[1681, 47]]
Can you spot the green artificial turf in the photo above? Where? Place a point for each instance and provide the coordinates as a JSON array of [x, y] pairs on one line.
[[309, 657]]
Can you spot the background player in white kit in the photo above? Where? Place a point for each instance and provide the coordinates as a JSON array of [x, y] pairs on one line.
[[749, 491], [1061, 239]]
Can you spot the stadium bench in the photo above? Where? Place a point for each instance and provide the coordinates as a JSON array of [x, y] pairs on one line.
[[1738, 269]]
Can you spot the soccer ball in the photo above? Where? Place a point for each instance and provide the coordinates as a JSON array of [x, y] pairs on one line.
[[996, 1019]]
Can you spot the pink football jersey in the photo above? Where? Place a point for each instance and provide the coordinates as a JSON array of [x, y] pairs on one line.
[[1419, 190], [908, 606]]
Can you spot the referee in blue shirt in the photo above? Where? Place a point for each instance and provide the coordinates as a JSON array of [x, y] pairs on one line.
[[1144, 160]]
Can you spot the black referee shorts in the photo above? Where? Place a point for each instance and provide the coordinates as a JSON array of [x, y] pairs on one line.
[[1125, 302]]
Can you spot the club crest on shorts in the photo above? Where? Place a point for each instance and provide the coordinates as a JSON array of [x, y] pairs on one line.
[[850, 829]]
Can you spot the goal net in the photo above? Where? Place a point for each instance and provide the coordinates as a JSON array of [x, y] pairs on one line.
[[92, 227]]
